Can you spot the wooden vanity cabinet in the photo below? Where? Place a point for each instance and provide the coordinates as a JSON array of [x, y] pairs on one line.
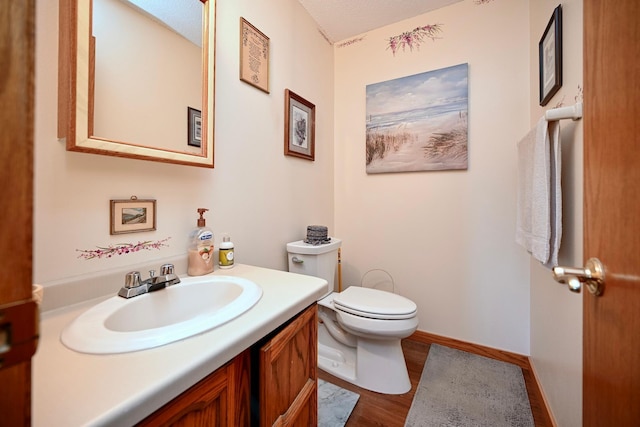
[[274, 383], [219, 400], [288, 374]]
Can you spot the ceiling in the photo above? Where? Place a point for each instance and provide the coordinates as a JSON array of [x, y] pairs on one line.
[[342, 19], [182, 16], [336, 19]]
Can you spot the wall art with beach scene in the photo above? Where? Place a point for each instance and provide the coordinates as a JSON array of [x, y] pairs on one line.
[[418, 122]]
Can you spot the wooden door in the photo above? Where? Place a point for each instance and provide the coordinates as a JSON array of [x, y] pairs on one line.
[[204, 404], [288, 374], [222, 399], [612, 211], [17, 312]]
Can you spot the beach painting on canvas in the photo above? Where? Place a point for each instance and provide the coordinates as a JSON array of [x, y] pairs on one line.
[[418, 122]]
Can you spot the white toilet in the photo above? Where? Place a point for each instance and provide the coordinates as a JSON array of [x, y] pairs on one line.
[[360, 328]]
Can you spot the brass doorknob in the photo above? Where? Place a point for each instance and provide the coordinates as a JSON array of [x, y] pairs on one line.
[[592, 275]]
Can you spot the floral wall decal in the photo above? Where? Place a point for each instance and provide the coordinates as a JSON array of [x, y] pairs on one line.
[[580, 96], [324, 36], [414, 37], [350, 42], [120, 249], [479, 2]]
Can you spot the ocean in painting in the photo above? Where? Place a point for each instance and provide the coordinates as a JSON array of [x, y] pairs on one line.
[[418, 122]]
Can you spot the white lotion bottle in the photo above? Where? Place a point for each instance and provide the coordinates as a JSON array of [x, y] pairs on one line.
[[200, 248], [226, 255]]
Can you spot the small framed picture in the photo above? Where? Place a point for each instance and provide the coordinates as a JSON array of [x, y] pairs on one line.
[[299, 126], [254, 56], [132, 215], [194, 121], [550, 51]]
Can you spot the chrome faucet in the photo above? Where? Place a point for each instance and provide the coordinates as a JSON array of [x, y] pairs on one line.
[[133, 286]]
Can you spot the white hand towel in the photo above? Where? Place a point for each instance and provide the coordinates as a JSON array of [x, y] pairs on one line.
[[556, 193], [539, 210]]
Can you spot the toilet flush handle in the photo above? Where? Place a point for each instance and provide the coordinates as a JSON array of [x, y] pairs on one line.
[[297, 260]]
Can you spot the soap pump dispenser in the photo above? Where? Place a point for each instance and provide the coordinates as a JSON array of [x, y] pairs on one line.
[[201, 248]]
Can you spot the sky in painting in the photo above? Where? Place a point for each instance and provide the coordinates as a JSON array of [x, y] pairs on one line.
[[417, 91]]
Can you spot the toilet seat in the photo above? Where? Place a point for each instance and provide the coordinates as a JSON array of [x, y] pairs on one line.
[[376, 328], [374, 304]]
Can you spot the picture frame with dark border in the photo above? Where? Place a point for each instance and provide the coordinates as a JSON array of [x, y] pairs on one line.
[[254, 56], [299, 126], [132, 215], [550, 57], [194, 127]]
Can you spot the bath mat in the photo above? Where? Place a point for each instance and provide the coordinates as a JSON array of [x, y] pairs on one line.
[[334, 404], [463, 389]]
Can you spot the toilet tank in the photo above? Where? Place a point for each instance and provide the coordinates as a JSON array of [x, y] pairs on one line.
[[315, 260]]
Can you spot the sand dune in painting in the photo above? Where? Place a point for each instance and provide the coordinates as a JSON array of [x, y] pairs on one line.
[[440, 145]]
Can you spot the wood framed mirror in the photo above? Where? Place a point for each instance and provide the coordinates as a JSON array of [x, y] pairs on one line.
[[152, 100]]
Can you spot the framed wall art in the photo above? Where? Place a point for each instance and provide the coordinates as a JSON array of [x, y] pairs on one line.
[[299, 126], [194, 127], [132, 215], [418, 122], [550, 52], [254, 56]]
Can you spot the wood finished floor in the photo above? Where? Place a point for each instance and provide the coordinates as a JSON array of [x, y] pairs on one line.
[[374, 409]]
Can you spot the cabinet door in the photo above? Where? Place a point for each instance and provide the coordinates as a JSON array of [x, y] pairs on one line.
[[288, 371], [221, 400]]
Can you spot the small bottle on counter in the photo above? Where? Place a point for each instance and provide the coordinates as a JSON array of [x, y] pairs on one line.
[[201, 248], [226, 253]]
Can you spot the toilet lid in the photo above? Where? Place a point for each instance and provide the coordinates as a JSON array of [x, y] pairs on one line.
[[373, 303]]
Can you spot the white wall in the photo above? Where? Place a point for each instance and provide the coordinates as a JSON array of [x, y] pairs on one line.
[[256, 194], [556, 313], [446, 237]]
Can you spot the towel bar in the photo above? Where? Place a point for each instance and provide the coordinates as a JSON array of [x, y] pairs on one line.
[[574, 112]]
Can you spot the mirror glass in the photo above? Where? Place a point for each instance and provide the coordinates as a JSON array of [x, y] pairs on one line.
[[143, 84], [148, 72]]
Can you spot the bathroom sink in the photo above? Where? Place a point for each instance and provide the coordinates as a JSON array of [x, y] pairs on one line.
[[193, 306]]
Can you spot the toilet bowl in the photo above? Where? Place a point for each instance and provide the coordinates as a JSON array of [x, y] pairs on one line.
[[359, 329]]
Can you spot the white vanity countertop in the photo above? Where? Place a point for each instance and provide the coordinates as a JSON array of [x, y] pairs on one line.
[[75, 389]]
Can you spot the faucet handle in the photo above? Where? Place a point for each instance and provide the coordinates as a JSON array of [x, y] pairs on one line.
[[132, 280], [166, 269]]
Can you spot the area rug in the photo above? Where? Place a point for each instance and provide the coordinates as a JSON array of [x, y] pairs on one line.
[[463, 389], [334, 404]]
